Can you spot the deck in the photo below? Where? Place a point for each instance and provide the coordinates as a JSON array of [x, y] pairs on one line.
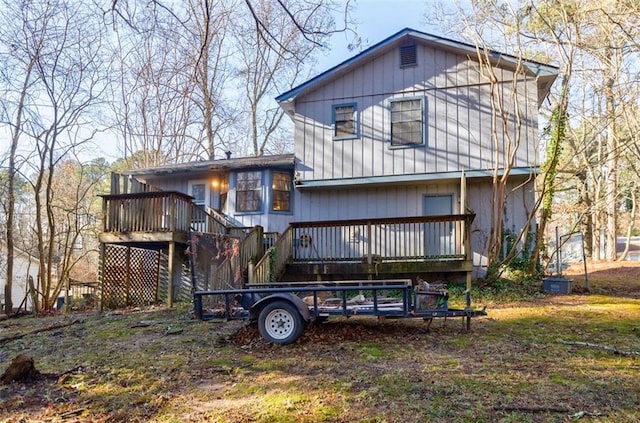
[[147, 218], [405, 247], [370, 248]]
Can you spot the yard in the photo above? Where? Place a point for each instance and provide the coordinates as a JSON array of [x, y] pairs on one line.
[[543, 359]]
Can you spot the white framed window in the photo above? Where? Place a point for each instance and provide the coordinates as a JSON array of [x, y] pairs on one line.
[[407, 123], [344, 121], [281, 190], [249, 191]]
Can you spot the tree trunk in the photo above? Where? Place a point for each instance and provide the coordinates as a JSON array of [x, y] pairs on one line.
[[586, 221], [611, 162], [632, 219], [11, 200]]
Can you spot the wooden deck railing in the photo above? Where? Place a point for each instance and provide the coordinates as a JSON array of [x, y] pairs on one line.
[[201, 221], [272, 264], [161, 211], [401, 239], [147, 212], [422, 238]]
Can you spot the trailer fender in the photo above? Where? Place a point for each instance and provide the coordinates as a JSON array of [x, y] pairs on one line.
[[247, 300], [302, 308]]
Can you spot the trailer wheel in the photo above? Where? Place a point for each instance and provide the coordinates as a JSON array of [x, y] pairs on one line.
[[280, 323]]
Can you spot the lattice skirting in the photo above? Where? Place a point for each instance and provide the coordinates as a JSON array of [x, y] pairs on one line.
[[129, 276]]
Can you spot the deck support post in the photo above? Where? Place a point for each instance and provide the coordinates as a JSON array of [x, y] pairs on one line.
[[170, 284], [102, 265]]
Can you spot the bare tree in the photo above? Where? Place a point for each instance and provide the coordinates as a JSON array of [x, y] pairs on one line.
[[205, 41], [61, 64], [499, 26], [76, 207], [277, 37], [271, 64], [308, 18], [151, 93], [596, 45], [17, 67], [605, 39]]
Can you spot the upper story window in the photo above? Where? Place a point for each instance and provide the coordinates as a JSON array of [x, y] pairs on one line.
[[408, 55], [281, 189], [249, 191], [406, 122], [344, 121]]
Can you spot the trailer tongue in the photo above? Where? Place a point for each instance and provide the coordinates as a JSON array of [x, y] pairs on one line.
[[283, 309]]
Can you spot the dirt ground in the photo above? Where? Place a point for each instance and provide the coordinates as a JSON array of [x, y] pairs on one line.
[[543, 360]]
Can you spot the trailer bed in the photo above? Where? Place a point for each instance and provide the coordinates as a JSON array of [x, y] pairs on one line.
[[393, 298]]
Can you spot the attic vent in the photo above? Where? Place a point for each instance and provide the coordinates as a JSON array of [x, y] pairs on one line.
[[408, 55]]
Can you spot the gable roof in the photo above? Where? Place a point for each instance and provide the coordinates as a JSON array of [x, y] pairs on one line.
[[282, 161], [546, 74]]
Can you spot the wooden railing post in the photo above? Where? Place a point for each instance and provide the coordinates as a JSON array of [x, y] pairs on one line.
[[172, 213], [105, 214], [259, 251], [467, 247], [250, 269], [369, 243], [170, 270]]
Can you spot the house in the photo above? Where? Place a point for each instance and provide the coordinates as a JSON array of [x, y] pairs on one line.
[[261, 188], [396, 150], [25, 269], [390, 132]]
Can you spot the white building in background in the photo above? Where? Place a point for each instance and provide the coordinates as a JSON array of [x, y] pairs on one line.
[[25, 266]]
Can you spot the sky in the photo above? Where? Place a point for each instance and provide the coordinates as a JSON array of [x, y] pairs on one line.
[[375, 20]]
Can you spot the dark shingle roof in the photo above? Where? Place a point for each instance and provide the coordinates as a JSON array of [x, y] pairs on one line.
[[280, 161]]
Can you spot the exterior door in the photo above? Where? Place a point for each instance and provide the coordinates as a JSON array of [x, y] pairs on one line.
[[438, 236], [199, 190]]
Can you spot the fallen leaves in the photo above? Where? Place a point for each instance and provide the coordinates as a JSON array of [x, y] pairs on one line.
[[161, 365]]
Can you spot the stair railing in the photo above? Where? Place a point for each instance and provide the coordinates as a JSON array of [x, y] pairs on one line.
[[273, 263]]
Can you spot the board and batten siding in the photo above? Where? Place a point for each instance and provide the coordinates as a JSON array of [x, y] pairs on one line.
[[370, 202], [460, 130], [519, 202]]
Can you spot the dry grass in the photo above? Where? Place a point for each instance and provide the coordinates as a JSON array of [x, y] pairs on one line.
[[512, 367]]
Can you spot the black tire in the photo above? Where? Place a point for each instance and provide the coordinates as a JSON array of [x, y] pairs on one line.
[[280, 322]]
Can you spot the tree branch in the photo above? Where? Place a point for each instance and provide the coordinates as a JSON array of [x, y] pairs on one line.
[[45, 329], [602, 347]]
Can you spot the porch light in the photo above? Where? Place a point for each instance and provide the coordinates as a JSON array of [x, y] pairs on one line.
[[215, 183]]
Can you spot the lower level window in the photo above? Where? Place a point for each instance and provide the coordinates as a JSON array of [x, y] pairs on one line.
[[248, 192], [281, 191]]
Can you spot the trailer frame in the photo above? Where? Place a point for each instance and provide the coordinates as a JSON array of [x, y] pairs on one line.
[[284, 322]]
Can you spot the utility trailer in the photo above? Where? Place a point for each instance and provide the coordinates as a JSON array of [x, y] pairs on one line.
[[283, 309]]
